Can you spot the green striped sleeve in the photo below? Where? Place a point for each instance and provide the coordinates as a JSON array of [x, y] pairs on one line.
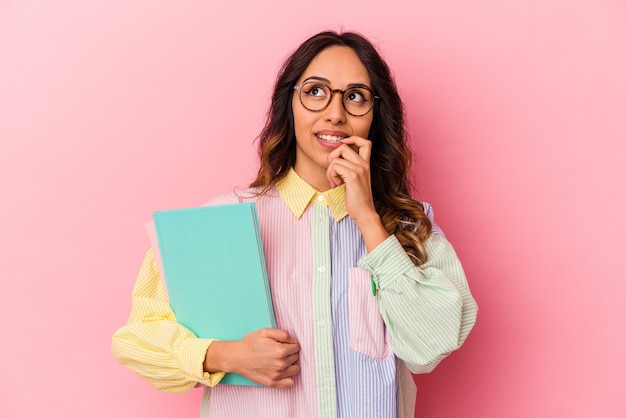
[[428, 310]]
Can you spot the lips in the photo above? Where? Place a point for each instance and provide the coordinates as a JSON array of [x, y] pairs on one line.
[[332, 137]]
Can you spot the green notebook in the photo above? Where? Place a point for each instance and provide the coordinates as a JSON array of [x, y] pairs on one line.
[[215, 273]]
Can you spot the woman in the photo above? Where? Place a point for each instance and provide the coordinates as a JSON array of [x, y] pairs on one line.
[[365, 288]]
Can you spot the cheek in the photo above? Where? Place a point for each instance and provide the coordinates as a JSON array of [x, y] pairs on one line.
[[363, 126], [303, 120]]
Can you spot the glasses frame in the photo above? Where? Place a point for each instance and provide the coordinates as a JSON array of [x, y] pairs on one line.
[[330, 99]]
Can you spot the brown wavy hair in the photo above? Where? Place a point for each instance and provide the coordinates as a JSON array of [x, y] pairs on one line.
[[390, 160]]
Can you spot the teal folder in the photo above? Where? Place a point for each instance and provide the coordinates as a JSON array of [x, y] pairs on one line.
[[215, 272]]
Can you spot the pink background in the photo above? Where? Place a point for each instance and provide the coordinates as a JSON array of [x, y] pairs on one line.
[[110, 110]]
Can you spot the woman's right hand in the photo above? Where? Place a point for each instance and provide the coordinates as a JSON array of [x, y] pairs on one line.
[[267, 356]]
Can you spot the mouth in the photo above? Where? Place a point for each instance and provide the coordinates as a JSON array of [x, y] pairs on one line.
[[333, 139]]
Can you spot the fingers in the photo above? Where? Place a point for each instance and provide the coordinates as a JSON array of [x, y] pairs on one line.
[[364, 146], [268, 356], [350, 160], [282, 380], [284, 347], [285, 352], [334, 178], [286, 377], [291, 359], [283, 367], [348, 152], [280, 335], [342, 170]]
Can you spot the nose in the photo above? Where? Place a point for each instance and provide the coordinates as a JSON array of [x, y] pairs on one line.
[[335, 112]]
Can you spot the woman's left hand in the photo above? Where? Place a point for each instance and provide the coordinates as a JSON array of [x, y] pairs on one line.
[[350, 164]]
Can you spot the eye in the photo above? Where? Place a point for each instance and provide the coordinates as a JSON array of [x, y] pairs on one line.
[[356, 96], [315, 90]]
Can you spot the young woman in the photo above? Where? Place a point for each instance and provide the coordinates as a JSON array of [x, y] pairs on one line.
[[336, 218]]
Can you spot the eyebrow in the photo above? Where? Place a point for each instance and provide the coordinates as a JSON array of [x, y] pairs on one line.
[[327, 81]]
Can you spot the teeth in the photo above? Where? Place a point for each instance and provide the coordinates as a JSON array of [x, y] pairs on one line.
[[330, 138]]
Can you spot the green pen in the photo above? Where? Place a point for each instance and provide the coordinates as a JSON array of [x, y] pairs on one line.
[[373, 285]]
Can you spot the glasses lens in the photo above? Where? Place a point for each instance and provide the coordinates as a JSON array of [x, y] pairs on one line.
[[314, 96], [358, 101]]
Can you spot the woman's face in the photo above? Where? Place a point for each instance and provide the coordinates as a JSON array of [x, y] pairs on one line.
[[318, 133]]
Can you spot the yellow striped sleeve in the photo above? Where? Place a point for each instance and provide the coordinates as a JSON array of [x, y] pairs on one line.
[[154, 345]]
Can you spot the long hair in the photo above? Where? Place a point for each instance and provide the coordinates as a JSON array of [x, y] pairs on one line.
[[390, 160]]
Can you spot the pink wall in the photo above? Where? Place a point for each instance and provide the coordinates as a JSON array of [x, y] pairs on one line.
[[111, 109]]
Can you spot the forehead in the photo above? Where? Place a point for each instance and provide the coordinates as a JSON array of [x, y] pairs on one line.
[[338, 64]]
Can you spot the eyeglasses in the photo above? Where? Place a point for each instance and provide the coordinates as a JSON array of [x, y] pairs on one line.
[[316, 96]]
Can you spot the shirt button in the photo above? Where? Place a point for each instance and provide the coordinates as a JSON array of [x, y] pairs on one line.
[[325, 382], [320, 198], [322, 269], [322, 324]]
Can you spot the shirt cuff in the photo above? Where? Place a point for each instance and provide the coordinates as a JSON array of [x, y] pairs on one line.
[[387, 262], [191, 360]]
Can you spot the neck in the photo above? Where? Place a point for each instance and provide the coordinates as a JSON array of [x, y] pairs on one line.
[[316, 178]]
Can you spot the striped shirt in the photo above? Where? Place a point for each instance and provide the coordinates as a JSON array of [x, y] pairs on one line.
[[357, 350]]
